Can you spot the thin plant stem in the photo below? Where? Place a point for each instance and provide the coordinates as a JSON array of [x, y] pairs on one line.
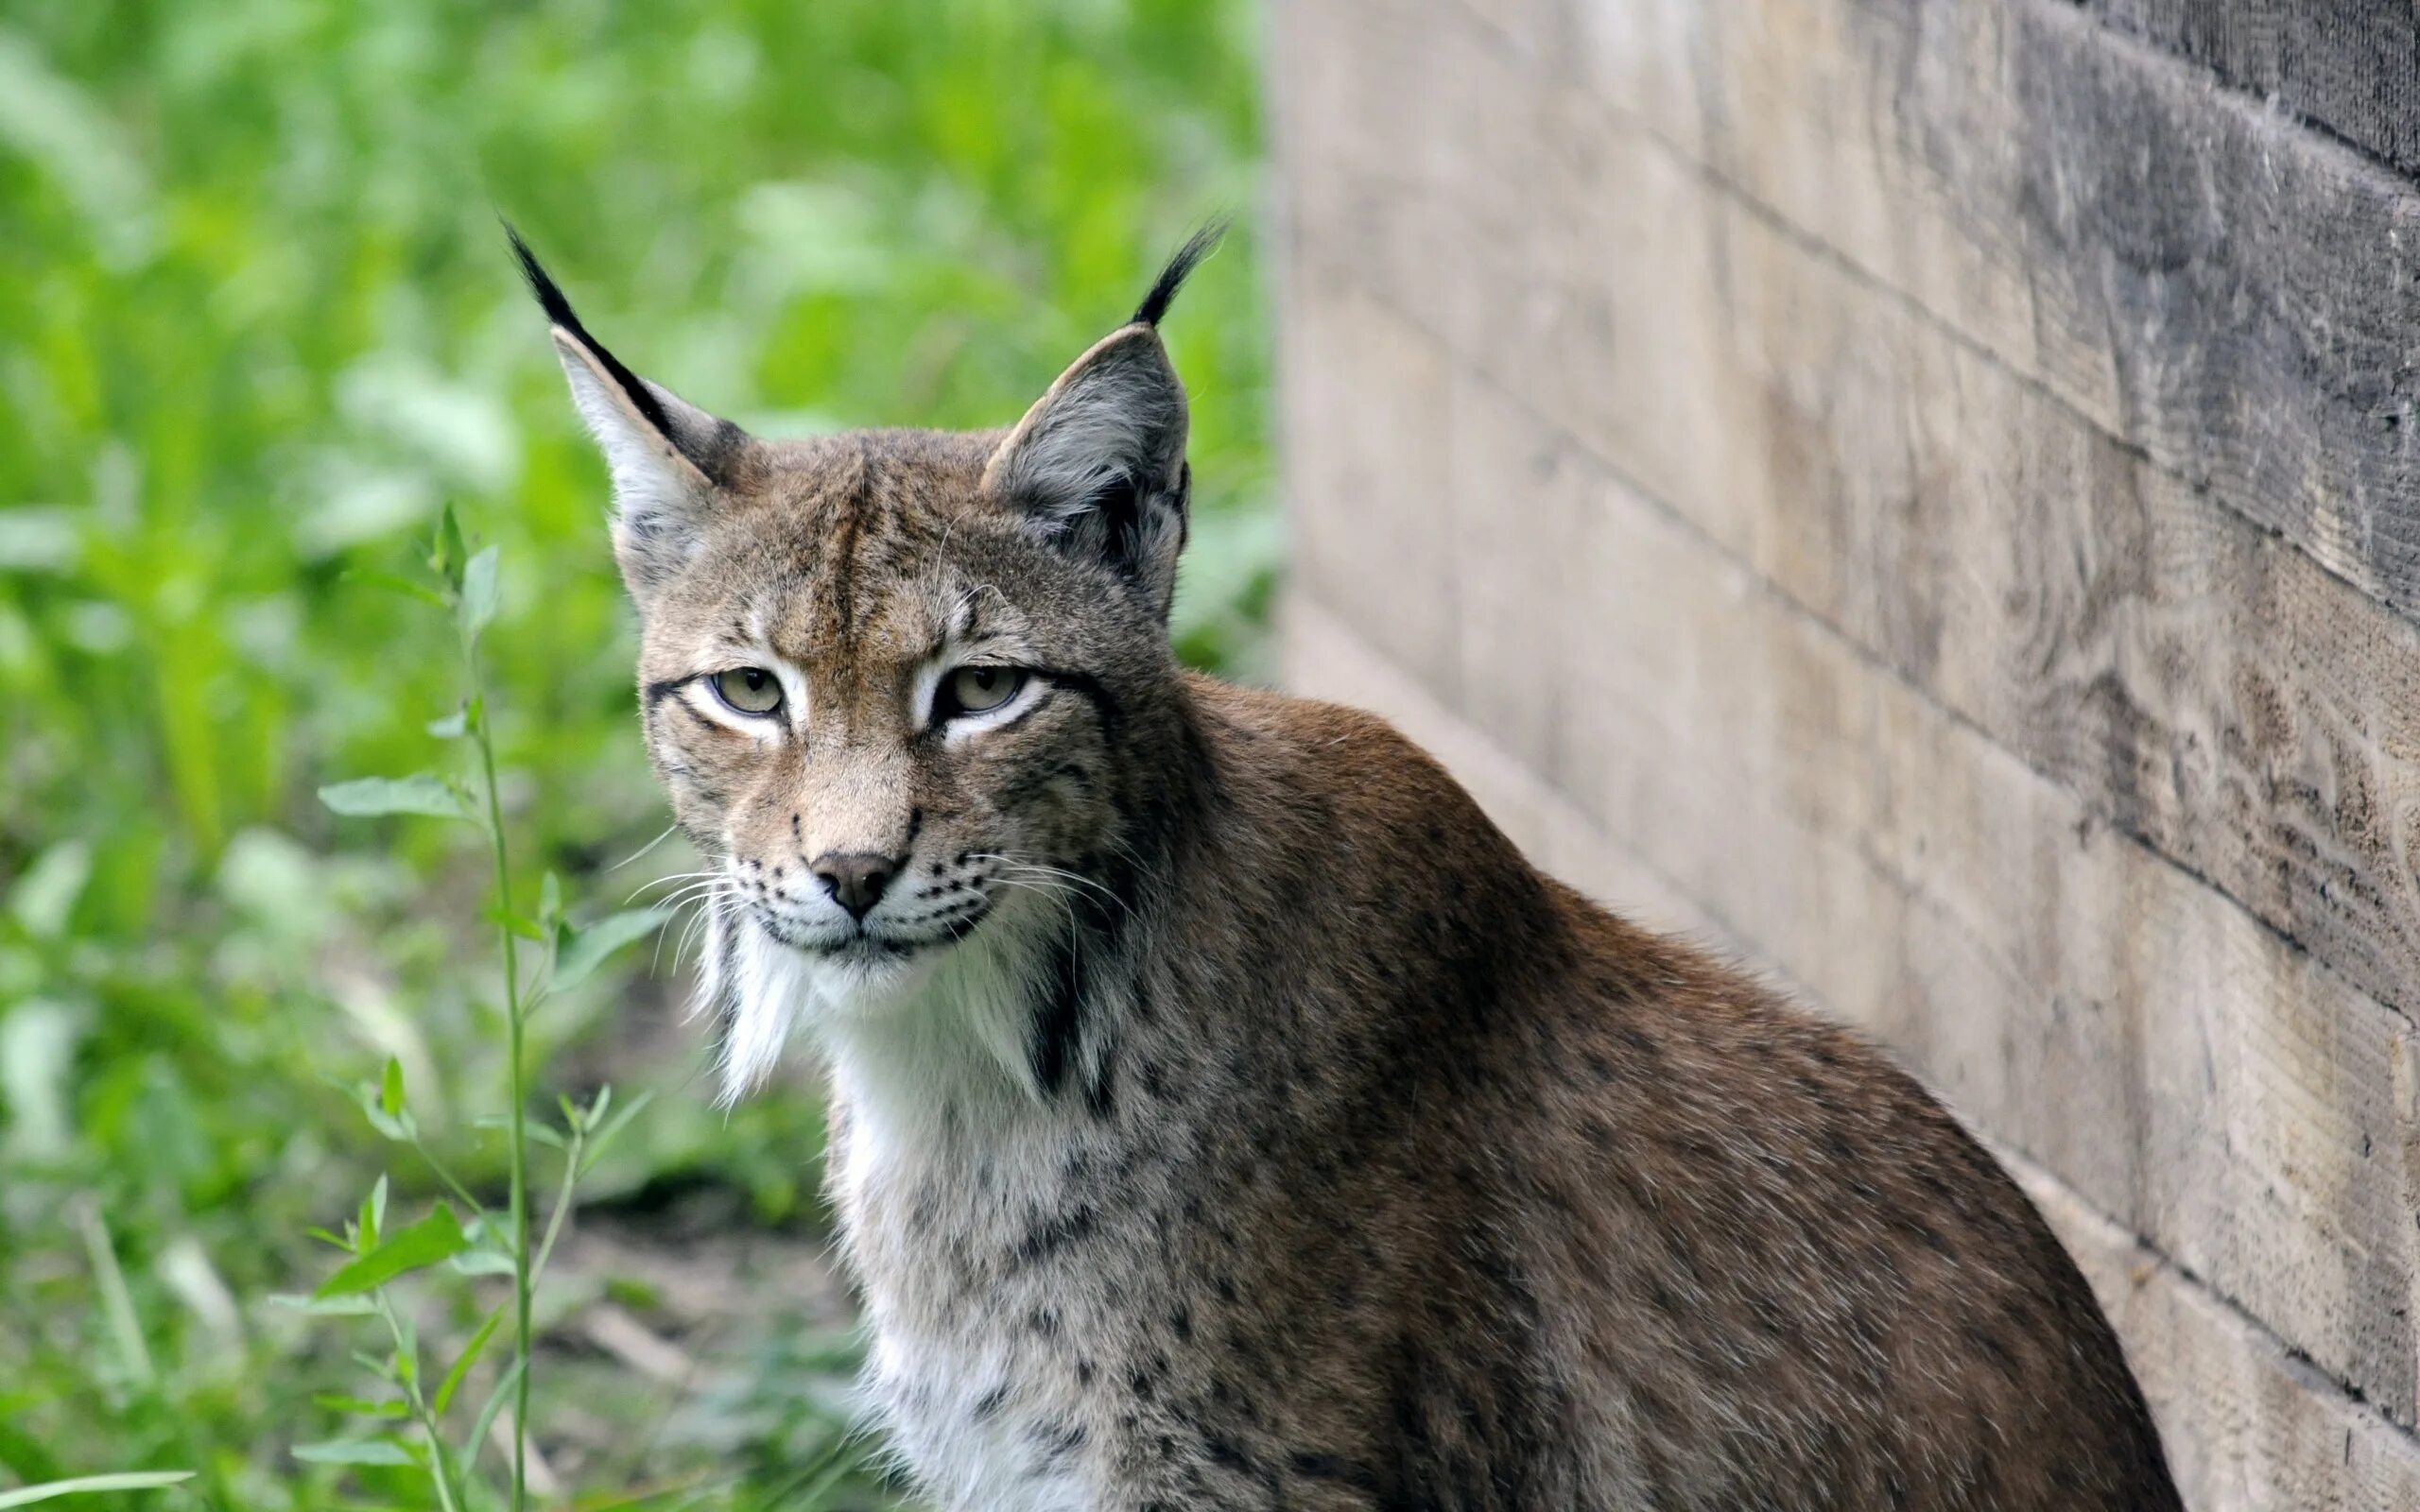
[[442, 1463], [562, 1203], [135, 1353], [132, 1351], [453, 1183], [518, 1136]]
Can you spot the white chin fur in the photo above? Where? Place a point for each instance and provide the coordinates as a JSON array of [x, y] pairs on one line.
[[761, 987], [974, 996]]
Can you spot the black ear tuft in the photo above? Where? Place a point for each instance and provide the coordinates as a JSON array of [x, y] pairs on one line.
[[558, 309], [1197, 247], [669, 459], [550, 298]]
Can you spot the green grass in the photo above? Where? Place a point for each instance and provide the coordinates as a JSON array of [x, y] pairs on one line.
[[256, 326]]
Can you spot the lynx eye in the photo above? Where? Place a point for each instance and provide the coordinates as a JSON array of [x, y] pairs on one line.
[[748, 690], [975, 690]]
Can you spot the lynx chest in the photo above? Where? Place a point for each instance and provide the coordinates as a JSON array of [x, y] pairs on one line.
[[1008, 1284]]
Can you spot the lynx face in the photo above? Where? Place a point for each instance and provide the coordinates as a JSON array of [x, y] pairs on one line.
[[888, 678]]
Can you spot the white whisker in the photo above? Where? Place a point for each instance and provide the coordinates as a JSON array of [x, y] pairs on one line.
[[1025, 868], [644, 848], [670, 879]]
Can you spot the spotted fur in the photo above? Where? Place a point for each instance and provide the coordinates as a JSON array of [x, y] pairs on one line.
[[1224, 1114]]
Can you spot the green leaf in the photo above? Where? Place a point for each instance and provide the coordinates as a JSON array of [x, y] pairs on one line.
[[585, 950], [395, 583], [390, 1088], [483, 1263], [437, 1237], [463, 1361], [406, 1356], [496, 1394], [449, 553], [479, 595], [123, 1481], [550, 901], [370, 1098], [539, 1129], [422, 793], [373, 1216], [363, 1407], [355, 1451], [621, 1120]]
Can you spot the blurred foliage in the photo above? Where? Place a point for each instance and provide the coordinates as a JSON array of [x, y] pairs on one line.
[[255, 324]]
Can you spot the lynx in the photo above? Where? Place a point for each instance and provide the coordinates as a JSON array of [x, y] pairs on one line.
[[1223, 1113]]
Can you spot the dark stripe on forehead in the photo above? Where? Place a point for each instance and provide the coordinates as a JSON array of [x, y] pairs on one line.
[[851, 528], [894, 549]]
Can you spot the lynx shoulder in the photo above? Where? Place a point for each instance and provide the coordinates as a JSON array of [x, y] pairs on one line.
[[1224, 1113]]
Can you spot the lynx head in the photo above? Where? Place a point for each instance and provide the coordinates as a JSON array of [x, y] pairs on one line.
[[903, 686]]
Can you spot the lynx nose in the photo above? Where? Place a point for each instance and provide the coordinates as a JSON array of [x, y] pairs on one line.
[[853, 879]]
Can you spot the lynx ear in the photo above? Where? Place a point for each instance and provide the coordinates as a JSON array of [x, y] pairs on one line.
[[670, 459], [1098, 462]]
